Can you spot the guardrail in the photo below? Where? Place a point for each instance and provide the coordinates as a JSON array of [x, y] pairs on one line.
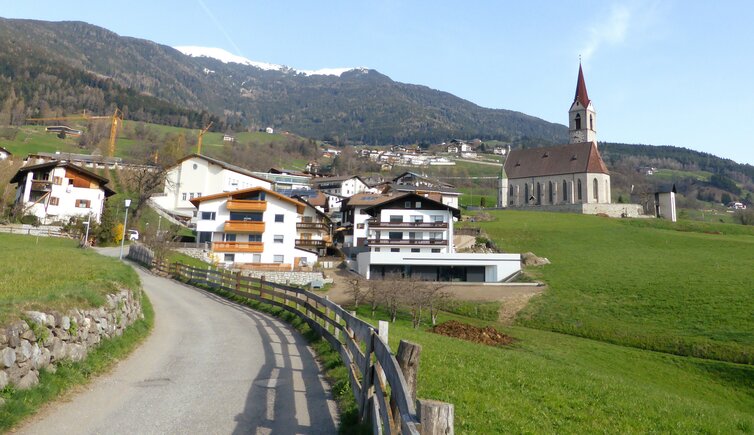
[[378, 381]]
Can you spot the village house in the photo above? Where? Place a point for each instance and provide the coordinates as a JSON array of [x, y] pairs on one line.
[[57, 191], [85, 160], [314, 230], [411, 235], [254, 227], [196, 175], [5, 154], [410, 182]]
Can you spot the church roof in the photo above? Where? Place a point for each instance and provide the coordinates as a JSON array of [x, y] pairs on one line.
[[581, 94], [558, 160]]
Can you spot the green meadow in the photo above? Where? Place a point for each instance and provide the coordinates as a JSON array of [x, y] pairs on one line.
[[44, 273], [548, 382], [683, 288]]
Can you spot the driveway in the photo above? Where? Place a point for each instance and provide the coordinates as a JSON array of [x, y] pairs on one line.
[[210, 367]]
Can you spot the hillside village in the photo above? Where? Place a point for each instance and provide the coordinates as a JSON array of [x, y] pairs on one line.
[[290, 221], [560, 286]]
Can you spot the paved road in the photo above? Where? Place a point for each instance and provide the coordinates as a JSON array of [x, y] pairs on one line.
[[209, 367]]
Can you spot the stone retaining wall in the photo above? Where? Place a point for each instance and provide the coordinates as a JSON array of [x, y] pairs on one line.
[[43, 339], [288, 278]]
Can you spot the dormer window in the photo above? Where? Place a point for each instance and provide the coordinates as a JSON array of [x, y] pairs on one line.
[[546, 154]]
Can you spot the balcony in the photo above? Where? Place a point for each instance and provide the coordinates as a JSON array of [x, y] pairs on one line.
[[255, 247], [315, 226], [374, 223], [246, 205], [41, 185], [244, 227], [308, 243], [405, 242]]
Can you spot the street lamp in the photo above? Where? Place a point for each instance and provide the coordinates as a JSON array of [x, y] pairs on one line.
[[125, 223]]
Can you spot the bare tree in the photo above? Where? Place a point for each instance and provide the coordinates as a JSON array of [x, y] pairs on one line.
[[356, 290], [142, 182], [435, 297]]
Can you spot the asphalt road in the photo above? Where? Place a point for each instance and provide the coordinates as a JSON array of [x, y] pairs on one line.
[[209, 367]]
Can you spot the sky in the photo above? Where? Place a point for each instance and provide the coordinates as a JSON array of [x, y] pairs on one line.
[[669, 72]]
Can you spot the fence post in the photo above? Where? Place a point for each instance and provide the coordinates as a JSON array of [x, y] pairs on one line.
[[336, 330], [367, 378], [436, 418], [408, 359], [327, 314], [238, 281]]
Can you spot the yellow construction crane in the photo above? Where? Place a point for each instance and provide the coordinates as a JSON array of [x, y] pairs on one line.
[[201, 135], [115, 119]]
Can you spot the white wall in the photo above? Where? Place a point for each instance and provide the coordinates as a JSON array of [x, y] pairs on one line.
[[497, 266], [422, 233], [196, 177], [287, 229]]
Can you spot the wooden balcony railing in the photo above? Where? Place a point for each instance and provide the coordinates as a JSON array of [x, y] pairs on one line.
[[374, 223], [246, 205], [255, 247], [41, 185], [311, 243], [317, 226], [244, 227], [407, 242]]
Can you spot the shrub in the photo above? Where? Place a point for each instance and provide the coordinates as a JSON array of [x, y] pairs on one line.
[[30, 219], [744, 217]]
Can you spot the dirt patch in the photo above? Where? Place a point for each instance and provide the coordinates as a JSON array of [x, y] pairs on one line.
[[487, 335], [511, 306]]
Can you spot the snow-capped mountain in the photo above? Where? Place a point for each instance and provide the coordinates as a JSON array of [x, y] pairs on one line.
[[228, 57]]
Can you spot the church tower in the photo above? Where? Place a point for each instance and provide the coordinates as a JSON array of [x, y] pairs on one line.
[[582, 119]]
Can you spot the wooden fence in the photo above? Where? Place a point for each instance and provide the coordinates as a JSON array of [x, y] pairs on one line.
[[29, 230], [384, 389]]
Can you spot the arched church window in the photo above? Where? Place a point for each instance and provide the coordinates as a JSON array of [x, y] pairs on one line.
[[596, 186], [550, 193], [578, 121], [539, 194], [526, 193], [578, 190], [565, 191], [591, 122]]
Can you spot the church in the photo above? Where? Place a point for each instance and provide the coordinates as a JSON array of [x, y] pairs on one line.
[[570, 178]]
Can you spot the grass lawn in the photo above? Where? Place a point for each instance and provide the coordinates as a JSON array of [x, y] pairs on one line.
[[54, 274], [554, 383], [644, 283]]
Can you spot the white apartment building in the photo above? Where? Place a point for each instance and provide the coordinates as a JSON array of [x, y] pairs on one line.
[[253, 226], [410, 223], [196, 175], [412, 235], [58, 190]]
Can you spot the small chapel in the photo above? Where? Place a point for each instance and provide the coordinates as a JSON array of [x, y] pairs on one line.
[[571, 177]]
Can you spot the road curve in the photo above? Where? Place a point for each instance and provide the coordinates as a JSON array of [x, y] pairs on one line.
[[209, 367]]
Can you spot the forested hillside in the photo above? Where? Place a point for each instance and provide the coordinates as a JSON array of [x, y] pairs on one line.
[[94, 66]]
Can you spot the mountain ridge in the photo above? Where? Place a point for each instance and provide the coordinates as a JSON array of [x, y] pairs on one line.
[[360, 106]]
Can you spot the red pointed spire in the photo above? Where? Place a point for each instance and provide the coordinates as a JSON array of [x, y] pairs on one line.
[[581, 95]]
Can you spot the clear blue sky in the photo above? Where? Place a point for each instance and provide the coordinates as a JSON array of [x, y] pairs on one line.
[[658, 72]]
